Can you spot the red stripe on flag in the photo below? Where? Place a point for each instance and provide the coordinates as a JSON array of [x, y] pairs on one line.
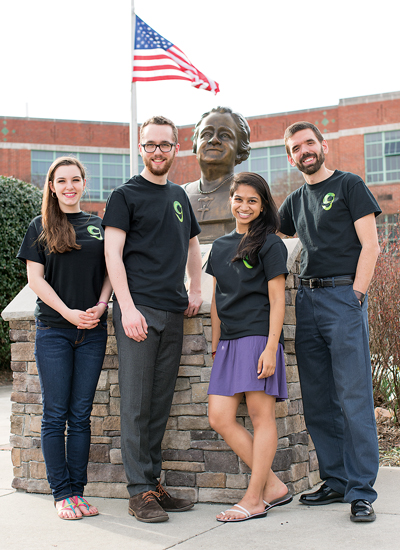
[[146, 57], [151, 78], [156, 68]]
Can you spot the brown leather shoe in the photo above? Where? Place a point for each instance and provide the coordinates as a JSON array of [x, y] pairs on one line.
[[145, 507], [171, 504]]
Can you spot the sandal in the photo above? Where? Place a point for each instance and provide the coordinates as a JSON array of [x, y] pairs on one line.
[[246, 515], [278, 501], [80, 501], [67, 503]]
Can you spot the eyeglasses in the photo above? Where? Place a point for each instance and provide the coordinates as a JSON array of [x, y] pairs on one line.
[[152, 147]]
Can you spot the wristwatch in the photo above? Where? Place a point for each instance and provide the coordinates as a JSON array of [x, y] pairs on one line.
[[360, 296]]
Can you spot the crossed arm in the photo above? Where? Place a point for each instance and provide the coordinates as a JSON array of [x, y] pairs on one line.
[[82, 319]]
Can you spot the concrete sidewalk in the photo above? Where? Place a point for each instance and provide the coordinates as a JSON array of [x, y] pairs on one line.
[[30, 521]]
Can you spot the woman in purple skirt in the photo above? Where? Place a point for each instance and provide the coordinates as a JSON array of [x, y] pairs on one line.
[[247, 311]]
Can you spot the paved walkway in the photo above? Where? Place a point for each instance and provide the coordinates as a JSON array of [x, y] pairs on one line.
[[30, 521]]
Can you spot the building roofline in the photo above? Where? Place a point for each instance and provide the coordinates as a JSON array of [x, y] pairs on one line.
[[342, 103], [369, 98], [288, 113], [64, 120]]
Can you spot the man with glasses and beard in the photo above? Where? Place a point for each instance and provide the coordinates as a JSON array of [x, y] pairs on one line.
[[333, 214], [150, 237]]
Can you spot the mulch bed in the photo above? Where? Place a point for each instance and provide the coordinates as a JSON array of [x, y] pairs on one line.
[[389, 442]]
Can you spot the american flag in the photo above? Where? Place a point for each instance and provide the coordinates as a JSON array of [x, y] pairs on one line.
[[156, 58]]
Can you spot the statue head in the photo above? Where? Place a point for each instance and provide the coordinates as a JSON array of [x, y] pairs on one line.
[[221, 140], [212, 125]]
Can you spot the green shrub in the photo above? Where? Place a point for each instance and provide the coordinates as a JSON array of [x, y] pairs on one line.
[[20, 202]]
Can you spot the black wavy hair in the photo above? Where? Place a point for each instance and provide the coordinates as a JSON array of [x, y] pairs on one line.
[[267, 222]]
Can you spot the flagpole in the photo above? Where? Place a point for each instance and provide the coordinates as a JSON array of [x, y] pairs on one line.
[[133, 130]]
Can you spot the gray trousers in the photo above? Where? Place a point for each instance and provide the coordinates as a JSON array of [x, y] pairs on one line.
[[147, 377]]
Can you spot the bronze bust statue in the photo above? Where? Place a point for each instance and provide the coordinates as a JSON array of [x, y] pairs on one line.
[[221, 140]]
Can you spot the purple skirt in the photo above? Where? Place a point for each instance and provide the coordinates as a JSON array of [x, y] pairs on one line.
[[235, 369]]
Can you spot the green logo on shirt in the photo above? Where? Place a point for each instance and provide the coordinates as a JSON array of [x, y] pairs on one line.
[[95, 232], [328, 201], [246, 263], [178, 210]]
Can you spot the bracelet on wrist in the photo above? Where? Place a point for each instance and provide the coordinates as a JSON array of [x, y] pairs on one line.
[[360, 296], [213, 354], [105, 303]]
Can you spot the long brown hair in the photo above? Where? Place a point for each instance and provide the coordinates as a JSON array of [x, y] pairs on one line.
[[267, 222], [58, 234]]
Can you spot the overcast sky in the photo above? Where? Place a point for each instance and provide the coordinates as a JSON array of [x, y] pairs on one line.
[[72, 60]]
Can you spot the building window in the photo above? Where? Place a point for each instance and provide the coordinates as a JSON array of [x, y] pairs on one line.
[[388, 227], [382, 157], [104, 171], [272, 164]]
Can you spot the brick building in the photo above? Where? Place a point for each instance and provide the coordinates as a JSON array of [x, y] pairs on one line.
[[363, 134]]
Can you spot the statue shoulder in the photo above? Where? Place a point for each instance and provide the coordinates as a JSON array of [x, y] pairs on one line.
[[191, 187]]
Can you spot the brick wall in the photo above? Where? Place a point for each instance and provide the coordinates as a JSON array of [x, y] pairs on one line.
[[16, 163], [196, 461], [388, 197], [66, 132]]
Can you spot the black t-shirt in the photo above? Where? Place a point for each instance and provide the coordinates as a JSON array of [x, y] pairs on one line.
[[241, 291], [323, 217], [76, 276], [159, 222]]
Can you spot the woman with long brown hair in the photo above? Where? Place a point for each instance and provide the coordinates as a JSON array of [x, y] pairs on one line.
[[64, 254]]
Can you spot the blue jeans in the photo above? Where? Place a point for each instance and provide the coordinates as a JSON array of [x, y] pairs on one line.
[[332, 346], [69, 363]]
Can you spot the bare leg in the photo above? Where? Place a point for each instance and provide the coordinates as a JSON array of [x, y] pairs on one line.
[[257, 453], [264, 484], [222, 417]]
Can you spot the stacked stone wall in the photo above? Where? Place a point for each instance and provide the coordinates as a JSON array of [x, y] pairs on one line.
[[196, 461]]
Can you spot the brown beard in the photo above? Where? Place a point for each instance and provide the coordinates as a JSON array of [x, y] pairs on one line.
[[309, 170], [162, 170]]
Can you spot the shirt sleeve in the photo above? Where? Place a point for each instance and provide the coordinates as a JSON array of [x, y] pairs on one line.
[[30, 248], [209, 268], [195, 228], [117, 212], [360, 200], [287, 225], [273, 256]]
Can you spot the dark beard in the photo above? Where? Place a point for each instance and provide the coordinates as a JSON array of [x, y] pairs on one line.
[[309, 170]]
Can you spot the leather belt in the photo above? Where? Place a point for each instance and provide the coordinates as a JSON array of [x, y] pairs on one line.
[[328, 281]]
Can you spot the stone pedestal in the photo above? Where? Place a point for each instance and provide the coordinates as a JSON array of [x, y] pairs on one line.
[[197, 463]]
